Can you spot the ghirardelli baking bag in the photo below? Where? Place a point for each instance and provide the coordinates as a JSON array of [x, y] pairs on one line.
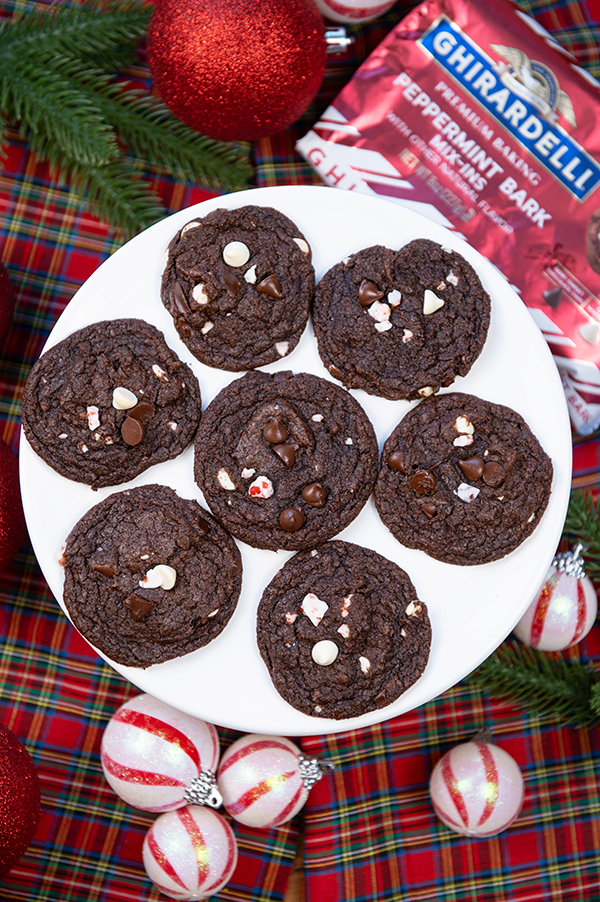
[[470, 113]]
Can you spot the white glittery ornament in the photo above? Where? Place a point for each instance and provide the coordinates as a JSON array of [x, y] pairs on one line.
[[265, 780], [565, 608], [190, 853], [157, 759], [477, 789]]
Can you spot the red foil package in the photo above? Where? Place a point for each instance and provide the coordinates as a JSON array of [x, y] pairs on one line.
[[472, 114]]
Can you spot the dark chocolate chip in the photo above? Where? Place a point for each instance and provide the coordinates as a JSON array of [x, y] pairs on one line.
[[232, 281], [368, 292], [138, 607], [133, 431], [202, 524], [180, 299], [396, 461], [472, 467], [493, 473], [282, 376], [423, 482], [552, 296], [105, 569], [287, 453], [270, 286], [314, 494], [275, 432], [291, 519], [429, 510], [143, 410]]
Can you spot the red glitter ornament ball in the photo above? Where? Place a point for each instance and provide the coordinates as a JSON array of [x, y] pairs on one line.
[[7, 304], [12, 519], [19, 800], [237, 69]]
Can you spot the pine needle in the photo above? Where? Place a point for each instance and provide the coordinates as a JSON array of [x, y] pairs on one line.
[[583, 523]]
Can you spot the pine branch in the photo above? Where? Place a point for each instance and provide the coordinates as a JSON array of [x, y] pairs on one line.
[[548, 685], [583, 523]]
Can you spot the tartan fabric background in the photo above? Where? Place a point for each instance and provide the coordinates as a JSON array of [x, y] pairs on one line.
[[370, 831]]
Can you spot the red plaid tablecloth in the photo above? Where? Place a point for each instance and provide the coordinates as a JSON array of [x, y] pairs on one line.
[[370, 832]]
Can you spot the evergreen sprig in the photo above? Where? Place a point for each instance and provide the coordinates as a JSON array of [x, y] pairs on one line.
[[58, 87], [583, 523]]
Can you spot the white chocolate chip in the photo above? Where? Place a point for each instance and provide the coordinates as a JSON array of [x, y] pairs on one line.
[[159, 372], [314, 608], [290, 618], [261, 488], [317, 418], [426, 391], [250, 275], [144, 557], [247, 472], [463, 440], [344, 630], [407, 336], [464, 426], [380, 312], [403, 633], [212, 613], [452, 278], [532, 518], [123, 399], [84, 449], [282, 347], [383, 327], [412, 608], [225, 480], [365, 664], [467, 492], [207, 327], [431, 302], [93, 418], [394, 297], [236, 253], [324, 652], [348, 441], [302, 245], [199, 293], [188, 226], [63, 435], [159, 577]]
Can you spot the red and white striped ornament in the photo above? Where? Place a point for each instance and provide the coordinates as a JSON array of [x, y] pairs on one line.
[[354, 11], [477, 789], [265, 780], [565, 608], [157, 758], [190, 853]]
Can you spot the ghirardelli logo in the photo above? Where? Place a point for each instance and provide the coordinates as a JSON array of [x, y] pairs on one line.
[[534, 82]]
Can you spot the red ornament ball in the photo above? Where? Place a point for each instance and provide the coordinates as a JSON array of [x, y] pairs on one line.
[[7, 305], [12, 519], [237, 70], [19, 800]]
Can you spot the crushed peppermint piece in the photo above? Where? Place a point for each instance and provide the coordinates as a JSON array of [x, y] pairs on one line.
[[431, 302], [365, 664], [247, 472], [317, 418], [441, 286], [282, 347], [199, 294], [463, 425], [532, 518], [261, 488], [383, 327], [403, 633], [346, 604], [236, 253], [324, 652], [314, 608], [380, 312], [348, 441], [407, 335], [63, 435], [173, 426], [314, 553], [463, 440], [467, 492], [290, 618], [302, 245], [93, 417], [207, 327], [159, 372], [250, 275], [394, 297], [212, 613], [225, 480], [412, 608], [84, 448], [344, 630], [160, 577], [452, 278]]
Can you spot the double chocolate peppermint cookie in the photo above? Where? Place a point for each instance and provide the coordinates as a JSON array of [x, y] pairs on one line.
[[463, 479], [401, 324], [238, 284], [109, 401], [342, 631], [285, 461], [150, 576]]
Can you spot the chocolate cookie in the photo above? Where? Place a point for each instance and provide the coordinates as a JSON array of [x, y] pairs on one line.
[[342, 631], [592, 241], [401, 324], [285, 461], [462, 479], [109, 401], [150, 576], [238, 284]]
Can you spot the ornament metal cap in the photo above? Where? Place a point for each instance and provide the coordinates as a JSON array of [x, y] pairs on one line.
[[312, 769], [337, 41], [570, 562], [203, 790]]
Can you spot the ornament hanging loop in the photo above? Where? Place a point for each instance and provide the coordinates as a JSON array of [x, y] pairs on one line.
[[312, 769], [570, 562], [203, 791]]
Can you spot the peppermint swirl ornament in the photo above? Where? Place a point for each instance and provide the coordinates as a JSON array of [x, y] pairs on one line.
[[565, 608], [157, 758], [265, 780]]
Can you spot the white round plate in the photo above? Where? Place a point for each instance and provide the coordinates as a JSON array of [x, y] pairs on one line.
[[472, 609]]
